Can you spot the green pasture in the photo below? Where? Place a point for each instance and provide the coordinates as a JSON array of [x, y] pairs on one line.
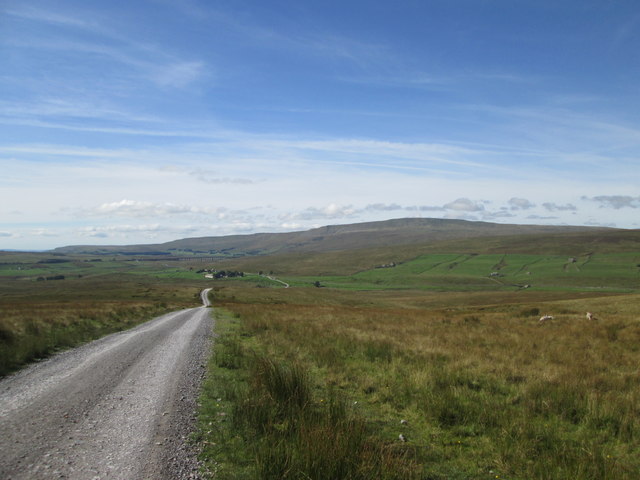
[[32, 270], [462, 272], [607, 272], [90, 267], [322, 386]]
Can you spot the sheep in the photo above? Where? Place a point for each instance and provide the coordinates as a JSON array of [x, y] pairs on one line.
[[544, 318], [590, 316]]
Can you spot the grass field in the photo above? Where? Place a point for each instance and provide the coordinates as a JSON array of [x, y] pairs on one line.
[[478, 388], [40, 315], [442, 348], [447, 272], [445, 349]]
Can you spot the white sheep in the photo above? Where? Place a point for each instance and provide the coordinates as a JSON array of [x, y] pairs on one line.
[[544, 318], [590, 316]]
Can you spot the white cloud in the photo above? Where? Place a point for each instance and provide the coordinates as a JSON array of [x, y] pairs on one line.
[[464, 205], [520, 204], [133, 208], [203, 185], [290, 226], [427, 208], [125, 230], [382, 207], [616, 201], [43, 232], [329, 212], [553, 207]]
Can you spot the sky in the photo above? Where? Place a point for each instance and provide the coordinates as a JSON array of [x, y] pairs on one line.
[[145, 121]]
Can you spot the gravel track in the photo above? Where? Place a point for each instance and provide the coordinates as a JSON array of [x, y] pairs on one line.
[[121, 407]]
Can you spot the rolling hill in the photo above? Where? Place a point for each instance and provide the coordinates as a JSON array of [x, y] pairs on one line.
[[333, 238]]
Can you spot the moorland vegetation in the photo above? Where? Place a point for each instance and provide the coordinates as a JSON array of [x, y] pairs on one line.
[[49, 306], [423, 360]]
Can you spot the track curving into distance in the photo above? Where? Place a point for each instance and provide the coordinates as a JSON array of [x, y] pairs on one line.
[[120, 407]]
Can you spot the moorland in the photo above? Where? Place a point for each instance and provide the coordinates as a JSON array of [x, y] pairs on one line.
[[404, 349]]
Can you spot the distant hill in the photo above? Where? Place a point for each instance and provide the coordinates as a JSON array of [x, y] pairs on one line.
[[334, 238]]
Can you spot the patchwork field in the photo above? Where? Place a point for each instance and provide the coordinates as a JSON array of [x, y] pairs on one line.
[[488, 272]]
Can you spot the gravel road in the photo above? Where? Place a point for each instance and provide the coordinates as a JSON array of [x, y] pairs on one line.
[[121, 407]]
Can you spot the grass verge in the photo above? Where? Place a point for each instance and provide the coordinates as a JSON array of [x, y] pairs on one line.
[[49, 328], [40, 318], [269, 418]]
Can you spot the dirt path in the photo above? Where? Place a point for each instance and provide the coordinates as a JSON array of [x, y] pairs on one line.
[[120, 407], [274, 279]]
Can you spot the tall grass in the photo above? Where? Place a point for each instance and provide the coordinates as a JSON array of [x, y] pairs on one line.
[[271, 421], [30, 332], [39, 318], [485, 391]]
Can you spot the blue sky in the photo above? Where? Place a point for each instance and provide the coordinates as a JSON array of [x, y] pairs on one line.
[[146, 121]]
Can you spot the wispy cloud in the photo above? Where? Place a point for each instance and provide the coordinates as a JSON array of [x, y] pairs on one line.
[[329, 212], [626, 31], [463, 208], [616, 201], [144, 59], [563, 127], [393, 155], [383, 207], [142, 131], [65, 108], [160, 68], [180, 74], [231, 147], [44, 232], [553, 207], [296, 39], [214, 178], [150, 231], [133, 208], [28, 12]]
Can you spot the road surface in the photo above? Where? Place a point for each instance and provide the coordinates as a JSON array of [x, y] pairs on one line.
[[119, 408]]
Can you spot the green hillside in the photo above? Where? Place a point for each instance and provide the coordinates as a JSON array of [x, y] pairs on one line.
[[351, 261], [605, 272], [423, 254], [390, 233]]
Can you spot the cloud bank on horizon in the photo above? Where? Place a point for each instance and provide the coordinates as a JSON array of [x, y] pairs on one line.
[[154, 120]]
